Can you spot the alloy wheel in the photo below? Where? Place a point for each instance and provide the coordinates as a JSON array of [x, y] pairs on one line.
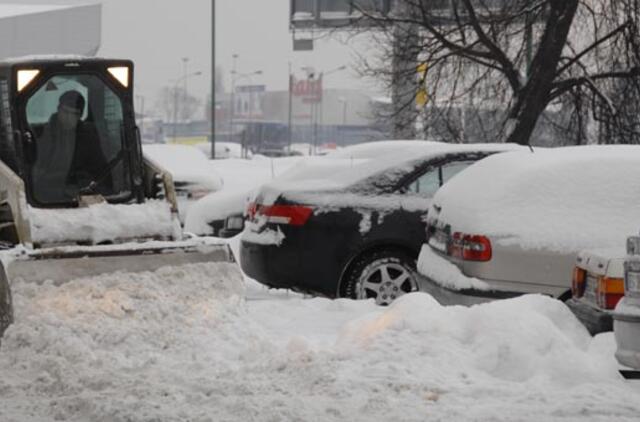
[[385, 281]]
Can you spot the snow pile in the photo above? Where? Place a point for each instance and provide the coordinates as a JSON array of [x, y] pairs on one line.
[[185, 163], [101, 222], [110, 346], [566, 199], [434, 267], [180, 345]]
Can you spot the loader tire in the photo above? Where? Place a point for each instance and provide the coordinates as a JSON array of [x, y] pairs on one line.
[[6, 306]]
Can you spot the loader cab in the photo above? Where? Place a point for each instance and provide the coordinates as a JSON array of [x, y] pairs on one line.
[[67, 128]]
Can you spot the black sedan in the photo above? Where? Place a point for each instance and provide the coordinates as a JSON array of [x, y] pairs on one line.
[[351, 231]]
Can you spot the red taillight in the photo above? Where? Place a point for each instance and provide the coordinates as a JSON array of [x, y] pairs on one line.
[[578, 282], [609, 292], [251, 210], [295, 215], [470, 247]]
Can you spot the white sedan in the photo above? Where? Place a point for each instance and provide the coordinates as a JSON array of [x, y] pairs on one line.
[[192, 174]]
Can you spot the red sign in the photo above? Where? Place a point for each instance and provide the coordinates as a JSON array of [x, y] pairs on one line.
[[310, 90]]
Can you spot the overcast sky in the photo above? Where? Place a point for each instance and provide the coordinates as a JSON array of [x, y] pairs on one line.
[[157, 34]]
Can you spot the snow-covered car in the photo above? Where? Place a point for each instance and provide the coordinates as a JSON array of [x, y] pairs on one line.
[[626, 317], [192, 174], [374, 149], [597, 287], [224, 150], [349, 227], [209, 215], [514, 223], [217, 213]]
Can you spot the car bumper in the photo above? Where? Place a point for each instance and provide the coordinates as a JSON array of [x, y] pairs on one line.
[[465, 297], [626, 329], [268, 264], [596, 320]]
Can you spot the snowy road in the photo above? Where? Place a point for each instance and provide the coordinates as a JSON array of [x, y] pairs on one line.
[[188, 345]]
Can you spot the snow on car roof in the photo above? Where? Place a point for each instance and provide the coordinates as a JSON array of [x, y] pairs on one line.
[[336, 171], [564, 199], [185, 163], [376, 149]]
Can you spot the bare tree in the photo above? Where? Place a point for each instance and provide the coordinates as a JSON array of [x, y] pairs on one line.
[[175, 106], [508, 67]]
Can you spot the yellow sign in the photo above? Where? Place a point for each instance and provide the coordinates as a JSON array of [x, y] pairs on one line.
[[422, 98], [188, 140]]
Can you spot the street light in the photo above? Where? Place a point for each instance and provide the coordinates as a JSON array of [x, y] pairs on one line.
[[322, 75], [185, 67], [175, 99], [344, 102], [311, 74], [238, 76]]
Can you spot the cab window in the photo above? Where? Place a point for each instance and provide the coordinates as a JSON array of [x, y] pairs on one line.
[[76, 122]]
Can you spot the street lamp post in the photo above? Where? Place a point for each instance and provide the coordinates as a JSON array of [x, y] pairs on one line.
[[175, 100], [213, 79], [330, 72], [232, 103], [235, 77], [185, 72], [344, 102], [317, 109]]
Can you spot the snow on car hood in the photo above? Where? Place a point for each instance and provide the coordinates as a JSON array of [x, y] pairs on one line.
[[565, 199], [101, 222], [185, 163]]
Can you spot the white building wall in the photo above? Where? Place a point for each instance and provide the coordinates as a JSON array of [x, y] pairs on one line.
[[54, 30]]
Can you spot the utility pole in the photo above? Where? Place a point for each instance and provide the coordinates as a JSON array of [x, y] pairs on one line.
[[290, 116], [175, 112], [232, 105], [185, 66], [213, 79]]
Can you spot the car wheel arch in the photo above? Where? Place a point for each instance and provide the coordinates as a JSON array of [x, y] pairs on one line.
[[370, 249]]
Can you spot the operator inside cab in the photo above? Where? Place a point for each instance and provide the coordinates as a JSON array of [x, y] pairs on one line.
[[68, 153], [76, 122]]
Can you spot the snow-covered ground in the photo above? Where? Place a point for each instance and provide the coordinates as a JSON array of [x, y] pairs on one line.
[[192, 344], [188, 345]]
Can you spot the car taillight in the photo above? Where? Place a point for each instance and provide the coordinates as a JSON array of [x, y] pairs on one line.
[[295, 215], [578, 282], [609, 292], [251, 210], [470, 247]]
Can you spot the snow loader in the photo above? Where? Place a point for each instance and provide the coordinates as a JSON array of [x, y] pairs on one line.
[[77, 196]]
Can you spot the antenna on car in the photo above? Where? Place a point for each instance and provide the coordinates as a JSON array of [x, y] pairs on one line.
[[531, 148]]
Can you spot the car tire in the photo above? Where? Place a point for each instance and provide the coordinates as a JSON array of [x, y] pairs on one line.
[[383, 275]]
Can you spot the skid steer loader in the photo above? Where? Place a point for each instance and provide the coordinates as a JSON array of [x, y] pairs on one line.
[[77, 197]]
